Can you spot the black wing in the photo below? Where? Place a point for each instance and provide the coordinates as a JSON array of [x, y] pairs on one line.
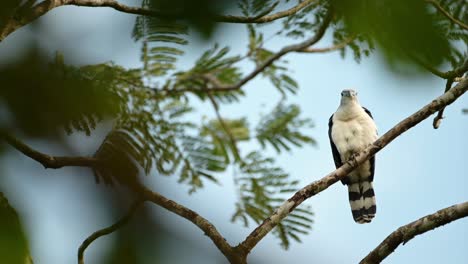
[[336, 154], [372, 160], [368, 112]]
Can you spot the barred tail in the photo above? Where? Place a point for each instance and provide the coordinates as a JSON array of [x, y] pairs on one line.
[[362, 201]]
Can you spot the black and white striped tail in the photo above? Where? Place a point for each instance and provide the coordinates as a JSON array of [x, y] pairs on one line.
[[362, 201]]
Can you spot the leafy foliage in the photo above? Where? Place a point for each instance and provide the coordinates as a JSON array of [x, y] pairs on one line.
[[13, 243], [452, 31], [32, 103], [281, 128], [261, 188]]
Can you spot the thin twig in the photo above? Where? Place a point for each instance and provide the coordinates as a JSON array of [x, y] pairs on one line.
[[218, 87], [318, 186], [108, 230], [337, 46], [440, 114], [447, 14], [407, 232], [225, 127]]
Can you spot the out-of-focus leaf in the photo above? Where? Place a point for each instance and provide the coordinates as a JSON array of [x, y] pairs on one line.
[[41, 97], [281, 128], [198, 14], [402, 28], [13, 241]]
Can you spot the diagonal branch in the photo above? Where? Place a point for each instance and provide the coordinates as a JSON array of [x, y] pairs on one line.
[[53, 162], [447, 14], [208, 228], [407, 232], [219, 87], [108, 230], [146, 194], [316, 187]]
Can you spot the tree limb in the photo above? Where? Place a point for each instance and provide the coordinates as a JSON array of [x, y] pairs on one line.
[[208, 228], [407, 232], [16, 21], [218, 87], [108, 230], [447, 14], [53, 162], [146, 194], [265, 18], [316, 187]]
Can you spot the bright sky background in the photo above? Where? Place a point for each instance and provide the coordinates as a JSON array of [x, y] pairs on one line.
[[421, 172]]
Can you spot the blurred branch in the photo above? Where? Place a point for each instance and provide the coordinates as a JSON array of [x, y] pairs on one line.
[[219, 87], [447, 14], [108, 230], [444, 75], [316, 187], [264, 18], [331, 48], [407, 232], [17, 21], [48, 161], [453, 76]]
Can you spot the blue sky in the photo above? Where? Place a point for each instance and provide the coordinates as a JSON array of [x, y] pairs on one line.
[[421, 172]]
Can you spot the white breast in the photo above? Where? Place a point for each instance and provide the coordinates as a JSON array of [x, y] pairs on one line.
[[353, 134]]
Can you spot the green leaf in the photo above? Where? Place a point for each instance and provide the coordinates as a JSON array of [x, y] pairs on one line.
[[13, 242], [281, 128]]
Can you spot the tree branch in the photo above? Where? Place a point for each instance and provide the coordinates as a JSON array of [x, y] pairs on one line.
[[316, 187], [108, 230], [331, 48], [447, 14], [407, 232], [208, 228], [146, 194], [218, 87], [53, 162], [43, 7], [265, 18]]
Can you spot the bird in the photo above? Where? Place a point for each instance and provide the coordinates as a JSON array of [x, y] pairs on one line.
[[351, 129]]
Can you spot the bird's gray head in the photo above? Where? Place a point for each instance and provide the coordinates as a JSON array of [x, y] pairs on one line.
[[348, 96], [348, 93]]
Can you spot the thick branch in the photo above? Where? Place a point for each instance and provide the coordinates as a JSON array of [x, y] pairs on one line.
[[447, 14], [407, 232], [108, 230], [316, 187], [53, 162]]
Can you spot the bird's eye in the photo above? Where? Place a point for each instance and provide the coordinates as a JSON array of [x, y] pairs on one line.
[[342, 93]]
